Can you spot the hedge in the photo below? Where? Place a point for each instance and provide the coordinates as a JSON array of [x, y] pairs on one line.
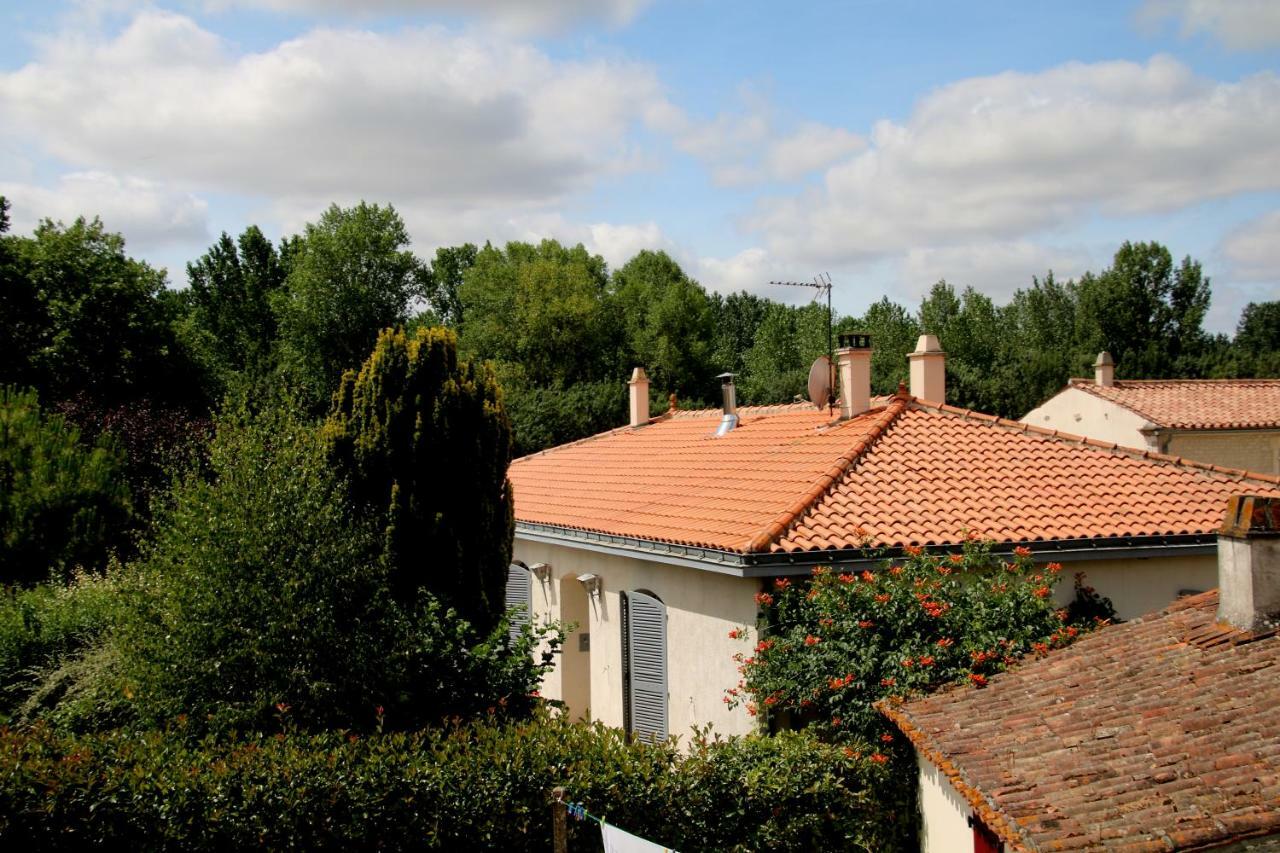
[[474, 786]]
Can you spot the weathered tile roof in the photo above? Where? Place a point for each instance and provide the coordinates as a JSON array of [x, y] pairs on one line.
[[1156, 734], [789, 479], [1196, 403]]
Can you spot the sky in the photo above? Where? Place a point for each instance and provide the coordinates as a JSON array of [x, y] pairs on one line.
[[887, 144]]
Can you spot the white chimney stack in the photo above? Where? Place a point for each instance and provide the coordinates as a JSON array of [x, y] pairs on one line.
[[929, 370], [639, 387], [1104, 370], [1249, 563], [853, 363]]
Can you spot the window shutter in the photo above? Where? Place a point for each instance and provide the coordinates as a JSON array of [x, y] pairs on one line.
[[645, 656], [519, 594]]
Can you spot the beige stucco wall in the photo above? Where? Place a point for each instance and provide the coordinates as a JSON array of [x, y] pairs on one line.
[[702, 608], [944, 814], [1252, 450], [1081, 413], [1138, 587]]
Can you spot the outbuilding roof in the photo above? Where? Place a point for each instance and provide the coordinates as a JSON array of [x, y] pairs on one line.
[[793, 480], [1156, 734], [1195, 403]]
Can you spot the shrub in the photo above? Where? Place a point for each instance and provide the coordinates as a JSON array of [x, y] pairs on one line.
[[840, 642], [61, 504], [261, 597], [44, 625], [483, 785]]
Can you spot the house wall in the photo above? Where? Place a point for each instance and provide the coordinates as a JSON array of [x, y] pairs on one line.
[[944, 814], [1138, 587], [1251, 450], [702, 608], [1081, 413]]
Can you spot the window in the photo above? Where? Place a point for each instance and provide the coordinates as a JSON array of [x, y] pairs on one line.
[[519, 595], [644, 665]]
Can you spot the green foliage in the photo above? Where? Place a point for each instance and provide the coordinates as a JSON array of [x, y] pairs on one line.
[[479, 786], [736, 319], [786, 342], [894, 332], [262, 594], [667, 324], [839, 643], [62, 504], [548, 417], [349, 277], [541, 307], [45, 625], [232, 286], [425, 441], [447, 272]]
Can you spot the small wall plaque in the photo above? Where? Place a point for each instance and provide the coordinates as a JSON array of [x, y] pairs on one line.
[[584, 642]]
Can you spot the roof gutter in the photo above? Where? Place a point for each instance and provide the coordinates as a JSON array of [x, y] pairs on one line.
[[741, 565]]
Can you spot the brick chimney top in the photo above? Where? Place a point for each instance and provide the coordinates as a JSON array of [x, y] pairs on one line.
[[638, 389], [1249, 563], [1104, 370], [853, 364], [928, 370]]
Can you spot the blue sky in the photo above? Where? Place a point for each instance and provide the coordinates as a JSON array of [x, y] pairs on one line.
[[887, 143]]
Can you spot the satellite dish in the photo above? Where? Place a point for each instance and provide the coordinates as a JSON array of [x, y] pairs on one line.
[[820, 382]]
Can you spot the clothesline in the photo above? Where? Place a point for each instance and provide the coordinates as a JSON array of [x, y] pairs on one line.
[[615, 840]]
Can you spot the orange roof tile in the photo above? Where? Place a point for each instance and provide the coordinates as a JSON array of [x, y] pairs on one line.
[[1196, 403], [1160, 734], [788, 479]]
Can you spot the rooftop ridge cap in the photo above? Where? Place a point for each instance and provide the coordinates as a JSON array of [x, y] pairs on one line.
[[1112, 447], [1092, 387], [624, 428], [1242, 380], [776, 528], [1009, 830], [709, 411]]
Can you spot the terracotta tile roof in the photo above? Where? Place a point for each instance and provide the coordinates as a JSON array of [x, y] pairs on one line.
[[1157, 734], [1196, 403], [789, 479]]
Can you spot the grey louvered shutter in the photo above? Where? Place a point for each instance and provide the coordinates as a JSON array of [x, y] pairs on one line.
[[646, 654], [519, 594]]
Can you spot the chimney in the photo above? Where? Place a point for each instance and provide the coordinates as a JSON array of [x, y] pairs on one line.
[[639, 387], [730, 394], [1104, 370], [929, 370], [853, 361], [1249, 563]]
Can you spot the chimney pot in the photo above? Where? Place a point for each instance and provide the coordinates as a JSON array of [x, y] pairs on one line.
[[853, 363], [639, 397], [928, 370], [730, 394], [1104, 370], [1249, 563]]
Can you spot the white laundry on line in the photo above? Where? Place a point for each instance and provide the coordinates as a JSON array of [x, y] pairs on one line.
[[617, 841]]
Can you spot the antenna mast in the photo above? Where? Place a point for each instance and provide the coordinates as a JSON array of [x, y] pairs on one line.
[[821, 284]]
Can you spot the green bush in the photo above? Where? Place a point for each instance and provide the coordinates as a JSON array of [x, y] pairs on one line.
[[61, 504], [44, 625], [840, 642], [479, 786], [260, 596]]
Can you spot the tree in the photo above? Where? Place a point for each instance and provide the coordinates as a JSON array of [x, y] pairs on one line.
[[232, 286], [542, 307], [667, 323], [62, 504], [894, 332], [1145, 312], [350, 277], [22, 314], [447, 273], [425, 442], [736, 319]]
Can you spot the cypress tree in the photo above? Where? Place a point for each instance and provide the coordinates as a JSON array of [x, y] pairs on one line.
[[425, 442]]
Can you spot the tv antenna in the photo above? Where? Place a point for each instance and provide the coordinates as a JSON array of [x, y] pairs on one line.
[[821, 374]]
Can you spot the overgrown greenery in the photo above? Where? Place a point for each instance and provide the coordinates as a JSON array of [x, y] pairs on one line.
[[481, 785], [62, 504], [424, 439], [836, 644]]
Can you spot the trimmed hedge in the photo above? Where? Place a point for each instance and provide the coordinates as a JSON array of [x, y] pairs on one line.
[[482, 785]]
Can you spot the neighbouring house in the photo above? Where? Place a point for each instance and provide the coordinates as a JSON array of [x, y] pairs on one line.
[[1157, 734], [656, 537], [1229, 422]]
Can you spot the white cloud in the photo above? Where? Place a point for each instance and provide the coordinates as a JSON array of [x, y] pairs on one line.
[[523, 16], [145, 212], [1238, 24], [995, 269], [1253, 250], [995, 159], [464, 120]]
